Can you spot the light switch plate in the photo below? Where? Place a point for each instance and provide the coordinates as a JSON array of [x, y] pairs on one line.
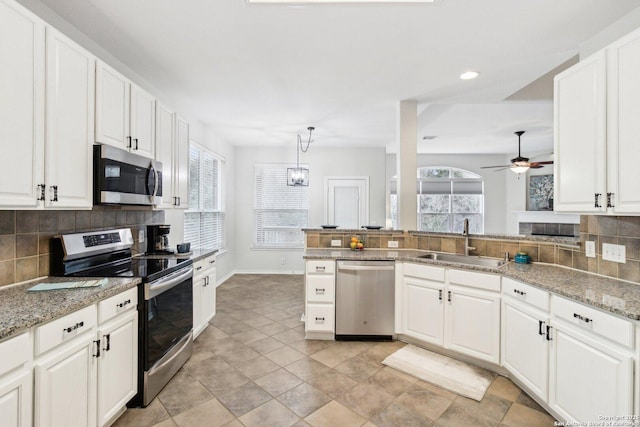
[[336, 243], [141, 236], [392, 244], [615, 253], [590, 248]]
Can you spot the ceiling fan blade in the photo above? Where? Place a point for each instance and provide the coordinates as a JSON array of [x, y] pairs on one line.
[[548, 162], [489, 167], [536, 166]]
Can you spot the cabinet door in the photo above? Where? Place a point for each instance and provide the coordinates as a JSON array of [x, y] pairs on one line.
[[623, 126], [588, 378], [198, 294], [525, 349], [16, 400], [209, 298], [117, 366], [580, 136], [69, 123], [165, 134], [424, 310], [65, 388], [112, 107], [21, 106], [472, 322], [181, 159], [143, 122]]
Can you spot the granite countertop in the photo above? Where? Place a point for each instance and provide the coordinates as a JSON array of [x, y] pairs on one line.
[[194, 255], [20, 310], [612, 295]]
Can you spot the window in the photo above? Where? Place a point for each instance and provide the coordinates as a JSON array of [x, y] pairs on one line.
[[446, 197], [204, 220], [280, 211]]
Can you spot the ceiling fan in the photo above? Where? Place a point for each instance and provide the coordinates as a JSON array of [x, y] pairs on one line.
[[520, 164]]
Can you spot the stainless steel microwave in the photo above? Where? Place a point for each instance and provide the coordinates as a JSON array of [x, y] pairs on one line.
[[123, 178]]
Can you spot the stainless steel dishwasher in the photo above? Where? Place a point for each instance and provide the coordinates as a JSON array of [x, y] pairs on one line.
[[365, 300]]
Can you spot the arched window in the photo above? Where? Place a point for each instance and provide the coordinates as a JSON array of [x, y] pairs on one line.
[[446, 196]]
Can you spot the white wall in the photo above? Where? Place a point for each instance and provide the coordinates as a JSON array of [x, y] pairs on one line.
[[613, 32], [323, 162], [494, 182]]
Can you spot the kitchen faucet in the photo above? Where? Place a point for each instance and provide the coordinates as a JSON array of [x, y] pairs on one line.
[[465, 233]]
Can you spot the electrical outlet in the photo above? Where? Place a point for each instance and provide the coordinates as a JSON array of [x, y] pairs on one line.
[[336, 243], [590, 248], [141, 236], [392, 244], [615, 253]]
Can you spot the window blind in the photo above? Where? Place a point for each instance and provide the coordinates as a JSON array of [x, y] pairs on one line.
[[280, 211]]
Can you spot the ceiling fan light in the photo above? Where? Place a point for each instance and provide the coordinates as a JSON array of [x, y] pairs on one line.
[[519, 168]]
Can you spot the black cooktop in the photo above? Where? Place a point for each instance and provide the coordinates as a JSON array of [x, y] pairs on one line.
[[148, 269]]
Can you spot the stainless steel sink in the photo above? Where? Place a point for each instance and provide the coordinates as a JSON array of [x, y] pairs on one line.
[[464, 259]]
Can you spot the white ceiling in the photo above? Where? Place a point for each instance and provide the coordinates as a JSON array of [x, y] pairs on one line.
[[260, 74]]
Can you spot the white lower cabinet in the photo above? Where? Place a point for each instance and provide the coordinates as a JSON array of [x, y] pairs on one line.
[[525, 347], [591, 376], [85, 368], [16, 381], [204, 293], [459, 310], [320, 311], [423, 314]]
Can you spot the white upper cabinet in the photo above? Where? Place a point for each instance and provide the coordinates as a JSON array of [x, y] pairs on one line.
[[580, 136], [125, 114], [21, 106], [70, 82], [597, 102], [172, 150], [623, 124]]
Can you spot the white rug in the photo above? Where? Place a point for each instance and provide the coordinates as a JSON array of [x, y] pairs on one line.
[[453, 375]]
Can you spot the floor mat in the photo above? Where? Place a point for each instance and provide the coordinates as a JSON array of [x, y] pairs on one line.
[[453, 375]]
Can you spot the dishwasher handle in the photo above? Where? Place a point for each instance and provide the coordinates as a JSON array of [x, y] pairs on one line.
[[352, 267]]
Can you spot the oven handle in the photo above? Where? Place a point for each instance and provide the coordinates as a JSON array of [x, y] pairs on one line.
[[159, 286]]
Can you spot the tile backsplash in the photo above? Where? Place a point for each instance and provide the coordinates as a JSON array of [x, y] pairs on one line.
[[25, 235]]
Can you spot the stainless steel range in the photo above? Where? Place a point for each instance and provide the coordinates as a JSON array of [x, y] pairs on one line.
[[165, 324]]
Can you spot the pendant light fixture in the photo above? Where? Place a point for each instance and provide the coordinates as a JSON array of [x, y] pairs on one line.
[[299, 176]]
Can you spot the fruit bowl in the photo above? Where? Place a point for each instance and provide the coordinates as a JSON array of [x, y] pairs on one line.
[[356, 244]]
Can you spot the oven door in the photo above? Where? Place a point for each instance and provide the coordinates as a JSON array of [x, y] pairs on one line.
[[168, 314], [123, 178]]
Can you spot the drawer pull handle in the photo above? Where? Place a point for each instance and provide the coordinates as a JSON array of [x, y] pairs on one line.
[[519, 292], [318, 268], [609, 200], [597, 200], [549, 334], [198, 268], [320, 290], [319, 319], [584, 319], [74, 327], [449, 296], [212, 261], [107, 338], [440, 294], [540, 327], [124, 303]]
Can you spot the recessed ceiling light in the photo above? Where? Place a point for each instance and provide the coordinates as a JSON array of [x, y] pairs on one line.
[[339, 1], [468, 75]]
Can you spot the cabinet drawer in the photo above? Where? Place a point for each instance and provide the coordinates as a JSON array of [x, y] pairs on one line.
[[490, 282], [320, 288], [324, 266], [529, 294], [198, 268], [209, 262], [65, 328], [117, 304], [423, 271], [15, 352], [320, 317], [594, 320]]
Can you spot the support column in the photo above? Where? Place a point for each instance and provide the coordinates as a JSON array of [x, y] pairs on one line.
[[406, 164]]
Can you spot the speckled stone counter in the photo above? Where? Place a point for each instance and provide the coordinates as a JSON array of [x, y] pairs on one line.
[[615, 296], [20, 310]]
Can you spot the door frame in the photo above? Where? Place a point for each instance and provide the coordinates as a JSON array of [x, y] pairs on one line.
[[364, 198]]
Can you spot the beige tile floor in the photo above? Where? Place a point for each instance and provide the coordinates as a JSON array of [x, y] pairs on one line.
[[253, 367]]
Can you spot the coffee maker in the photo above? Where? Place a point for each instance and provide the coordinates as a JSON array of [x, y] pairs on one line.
[[158, 239]]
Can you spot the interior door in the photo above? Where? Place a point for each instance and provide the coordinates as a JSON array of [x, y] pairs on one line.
[[347, 201]]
